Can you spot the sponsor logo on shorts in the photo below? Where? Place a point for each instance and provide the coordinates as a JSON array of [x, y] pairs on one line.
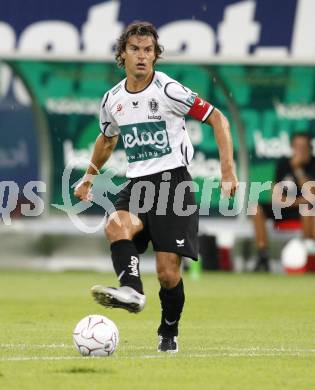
[[180, 243]]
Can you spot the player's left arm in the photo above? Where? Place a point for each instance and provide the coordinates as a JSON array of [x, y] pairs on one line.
[[222, 133], [205, 112], [182, 101]]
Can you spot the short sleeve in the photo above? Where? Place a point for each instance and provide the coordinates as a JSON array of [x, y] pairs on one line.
[[108, 124], [180, 99]]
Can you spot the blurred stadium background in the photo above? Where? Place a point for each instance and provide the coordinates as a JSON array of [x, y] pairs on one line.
[[253, 60]]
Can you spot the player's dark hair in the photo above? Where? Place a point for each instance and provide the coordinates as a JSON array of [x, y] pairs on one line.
[[137, 28], [302, 134]]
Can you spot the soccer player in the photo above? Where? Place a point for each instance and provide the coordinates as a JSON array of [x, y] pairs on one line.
[[296, 171], [147, 109]]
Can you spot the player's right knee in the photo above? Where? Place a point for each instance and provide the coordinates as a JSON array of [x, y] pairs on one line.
[[111, 229], [116, 231]]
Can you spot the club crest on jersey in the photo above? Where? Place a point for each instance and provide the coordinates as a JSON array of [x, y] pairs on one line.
[[154, 107]]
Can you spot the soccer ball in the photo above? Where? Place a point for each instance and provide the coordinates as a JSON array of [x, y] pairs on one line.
[[294, 256], [96, 335]]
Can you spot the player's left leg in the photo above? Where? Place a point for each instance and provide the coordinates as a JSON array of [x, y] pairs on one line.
[[261, 238], [172, 299]]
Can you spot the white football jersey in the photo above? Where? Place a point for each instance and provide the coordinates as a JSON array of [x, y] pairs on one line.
[[151, 123]]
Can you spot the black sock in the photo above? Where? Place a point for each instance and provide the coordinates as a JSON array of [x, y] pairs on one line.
[[172, 303], [126, 264], [263, 255]]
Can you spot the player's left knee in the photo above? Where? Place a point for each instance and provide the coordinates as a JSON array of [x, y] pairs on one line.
[[168, 278]]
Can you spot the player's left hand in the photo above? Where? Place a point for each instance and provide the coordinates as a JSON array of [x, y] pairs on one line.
[[229, 184]]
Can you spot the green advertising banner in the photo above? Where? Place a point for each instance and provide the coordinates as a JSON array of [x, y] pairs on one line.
[[265, 105]]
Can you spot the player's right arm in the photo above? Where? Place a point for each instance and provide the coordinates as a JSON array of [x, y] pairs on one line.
[[103, 148]]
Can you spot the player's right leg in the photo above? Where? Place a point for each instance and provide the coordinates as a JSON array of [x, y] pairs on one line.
[[261, 239], [120, 229]]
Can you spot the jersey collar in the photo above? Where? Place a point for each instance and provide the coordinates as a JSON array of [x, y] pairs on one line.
[[133, 93]]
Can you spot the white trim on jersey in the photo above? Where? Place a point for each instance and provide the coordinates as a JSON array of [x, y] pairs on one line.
[[210, 109]]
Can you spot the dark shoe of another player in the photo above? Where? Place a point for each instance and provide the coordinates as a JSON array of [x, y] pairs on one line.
[[262, 265], [122, 297], [168, 344]]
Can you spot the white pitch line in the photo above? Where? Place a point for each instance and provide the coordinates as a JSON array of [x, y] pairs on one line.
[[27, 358], [35, 346], [123, 348], [157, 356]]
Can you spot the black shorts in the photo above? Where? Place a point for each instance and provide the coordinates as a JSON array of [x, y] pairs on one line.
[[166, 227], [287, 212]]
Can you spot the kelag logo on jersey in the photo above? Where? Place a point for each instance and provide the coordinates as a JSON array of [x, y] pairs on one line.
[[143, 141]]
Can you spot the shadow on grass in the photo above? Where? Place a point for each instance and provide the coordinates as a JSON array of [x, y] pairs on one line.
[[85, 370]]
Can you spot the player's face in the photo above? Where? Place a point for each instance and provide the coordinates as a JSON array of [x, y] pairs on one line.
[[139, 56], [301, 148]]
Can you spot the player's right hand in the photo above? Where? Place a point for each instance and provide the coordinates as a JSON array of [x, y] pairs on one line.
[[83, 190]]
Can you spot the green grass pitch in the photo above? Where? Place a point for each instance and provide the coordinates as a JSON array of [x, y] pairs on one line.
[[238, 331]]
